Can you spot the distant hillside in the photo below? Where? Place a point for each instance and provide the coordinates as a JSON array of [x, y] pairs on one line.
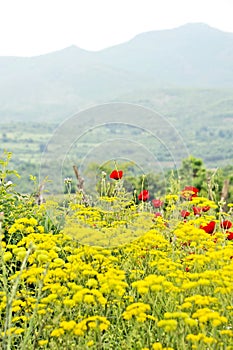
[[54, 86], [191, 55]]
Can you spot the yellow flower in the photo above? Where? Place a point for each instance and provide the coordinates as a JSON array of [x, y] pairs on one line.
[[57, 332], [40, 229], [186, 305], [195, 337], [93, 322], [29, 229], [18, 250], [7, 256], [16, 227], [175, 315], [16, 308], [152, 282], [200, 337], [92, 283], [78, 331], [209, 340], [89, 299], [43, 258], [204, 315], [68, 302], [41, 312], [138, 310], [43, 342], [190, 322], [157, 346], [21, 255], [228, 332], [19, 331], [58, 262], [168, 325], [68, 325], [104, 326], [33, 222], [50, 298], [90, 343]]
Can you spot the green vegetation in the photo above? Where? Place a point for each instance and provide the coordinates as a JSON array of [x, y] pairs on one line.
[[205, 132]]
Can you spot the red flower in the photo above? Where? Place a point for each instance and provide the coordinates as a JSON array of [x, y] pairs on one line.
[[157, 214], [206, 208], [184, 213], [189, 192], [199, 210], [116, 175], [143, 196], [209, 228], [226, 224], [196, 210], [229, 235], [157, 203]]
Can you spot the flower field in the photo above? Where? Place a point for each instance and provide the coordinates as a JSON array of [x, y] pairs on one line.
[[156, 274]]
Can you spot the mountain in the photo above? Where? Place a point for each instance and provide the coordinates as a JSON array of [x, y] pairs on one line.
[[191, 55], [54, 86], [51, 86]]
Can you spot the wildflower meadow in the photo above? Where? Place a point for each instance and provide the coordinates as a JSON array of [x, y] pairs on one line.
[[123, 272]]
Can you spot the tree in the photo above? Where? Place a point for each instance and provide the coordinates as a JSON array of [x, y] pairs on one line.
[[193, 172]]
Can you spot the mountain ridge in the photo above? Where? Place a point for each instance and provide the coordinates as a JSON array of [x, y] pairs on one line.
[[53, 85], [188, 26]]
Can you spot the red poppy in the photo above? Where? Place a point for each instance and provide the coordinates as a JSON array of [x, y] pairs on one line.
[[197, 210], [206, 208], [157, 203], [143, 196], [158, 214], [226, 224], [209, 228], [184, 213], [229, 235], [116, 175], [189, 192]]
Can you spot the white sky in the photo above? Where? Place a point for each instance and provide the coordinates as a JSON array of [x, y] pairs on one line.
[[34, 27]]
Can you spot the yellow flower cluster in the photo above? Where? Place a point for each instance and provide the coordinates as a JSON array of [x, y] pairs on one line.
[[170, 284], [207, 315], [151, 282], [138, 310], [99, 323], [201, 338], [169, 325], [158, 346], [26, 225]]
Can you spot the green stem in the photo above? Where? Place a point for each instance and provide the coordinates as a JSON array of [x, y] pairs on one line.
[[10, 299]]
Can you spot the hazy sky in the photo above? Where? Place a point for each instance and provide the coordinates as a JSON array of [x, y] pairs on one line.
[[33, 27]]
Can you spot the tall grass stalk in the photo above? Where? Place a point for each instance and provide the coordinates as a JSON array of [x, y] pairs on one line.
[[10, 296]]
